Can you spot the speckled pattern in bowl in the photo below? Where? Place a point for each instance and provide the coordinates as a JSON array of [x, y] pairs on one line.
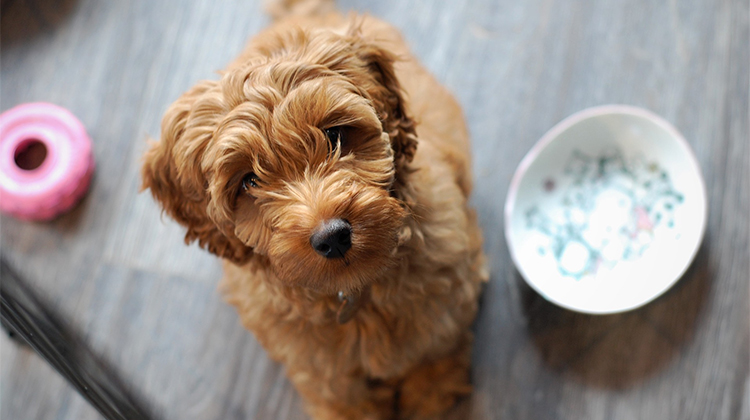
[[607, 210]]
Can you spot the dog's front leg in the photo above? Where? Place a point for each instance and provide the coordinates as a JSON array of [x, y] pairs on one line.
[[339, 396], [434, 386]]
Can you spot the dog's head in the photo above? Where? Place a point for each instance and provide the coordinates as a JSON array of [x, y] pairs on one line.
[[298, 156]]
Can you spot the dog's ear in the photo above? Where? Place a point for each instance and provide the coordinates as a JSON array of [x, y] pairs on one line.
[[172, 170], [389, 99]]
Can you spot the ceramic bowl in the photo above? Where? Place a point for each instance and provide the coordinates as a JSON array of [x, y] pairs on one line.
[[607, 210]]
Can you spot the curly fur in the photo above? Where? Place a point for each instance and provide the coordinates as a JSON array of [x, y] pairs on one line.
[[416, 256]]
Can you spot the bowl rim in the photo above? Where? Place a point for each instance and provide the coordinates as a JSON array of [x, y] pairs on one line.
[[550, 136]]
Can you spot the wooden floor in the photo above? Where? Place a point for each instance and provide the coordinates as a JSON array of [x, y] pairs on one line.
[[149, 305]]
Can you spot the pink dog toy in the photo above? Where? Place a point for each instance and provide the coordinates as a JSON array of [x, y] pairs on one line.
[[45, 161]]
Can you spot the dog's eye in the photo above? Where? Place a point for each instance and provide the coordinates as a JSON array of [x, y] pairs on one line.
[[250, 181], [335, 136]]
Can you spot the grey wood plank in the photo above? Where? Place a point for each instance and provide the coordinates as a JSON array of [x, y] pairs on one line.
[[149, 304]]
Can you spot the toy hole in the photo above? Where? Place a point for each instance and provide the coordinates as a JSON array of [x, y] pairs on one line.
[[30, 154]]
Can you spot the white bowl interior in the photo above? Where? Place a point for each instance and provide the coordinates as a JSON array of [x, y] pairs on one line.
[[607, 211]]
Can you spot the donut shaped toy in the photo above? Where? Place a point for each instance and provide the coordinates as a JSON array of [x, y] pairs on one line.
[[46, 161]]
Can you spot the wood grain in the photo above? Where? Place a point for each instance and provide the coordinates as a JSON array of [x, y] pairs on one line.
[[149, 305]]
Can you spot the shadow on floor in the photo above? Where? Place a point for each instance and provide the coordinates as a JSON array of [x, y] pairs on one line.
[[21, 20], [621, 350], [32, 321]]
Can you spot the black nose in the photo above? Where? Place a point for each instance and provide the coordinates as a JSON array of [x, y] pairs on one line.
[[332, 238]]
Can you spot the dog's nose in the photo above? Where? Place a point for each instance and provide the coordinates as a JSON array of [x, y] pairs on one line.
[[332, 238]]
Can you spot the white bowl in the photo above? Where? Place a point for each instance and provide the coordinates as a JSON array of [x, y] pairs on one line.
[[607, 210]]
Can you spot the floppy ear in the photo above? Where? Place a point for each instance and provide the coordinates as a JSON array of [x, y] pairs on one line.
[[172, 170], [389, 101]]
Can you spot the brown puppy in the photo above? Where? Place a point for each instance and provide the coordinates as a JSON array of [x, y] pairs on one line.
[[331, 173]]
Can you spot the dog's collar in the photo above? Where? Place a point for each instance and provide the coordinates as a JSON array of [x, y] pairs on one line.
[[350, 303]]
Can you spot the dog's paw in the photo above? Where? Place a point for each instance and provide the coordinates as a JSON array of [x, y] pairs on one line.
[[365, 411], [432, 388]]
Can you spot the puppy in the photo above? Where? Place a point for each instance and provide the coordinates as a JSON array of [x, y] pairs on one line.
[[330, 171]]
